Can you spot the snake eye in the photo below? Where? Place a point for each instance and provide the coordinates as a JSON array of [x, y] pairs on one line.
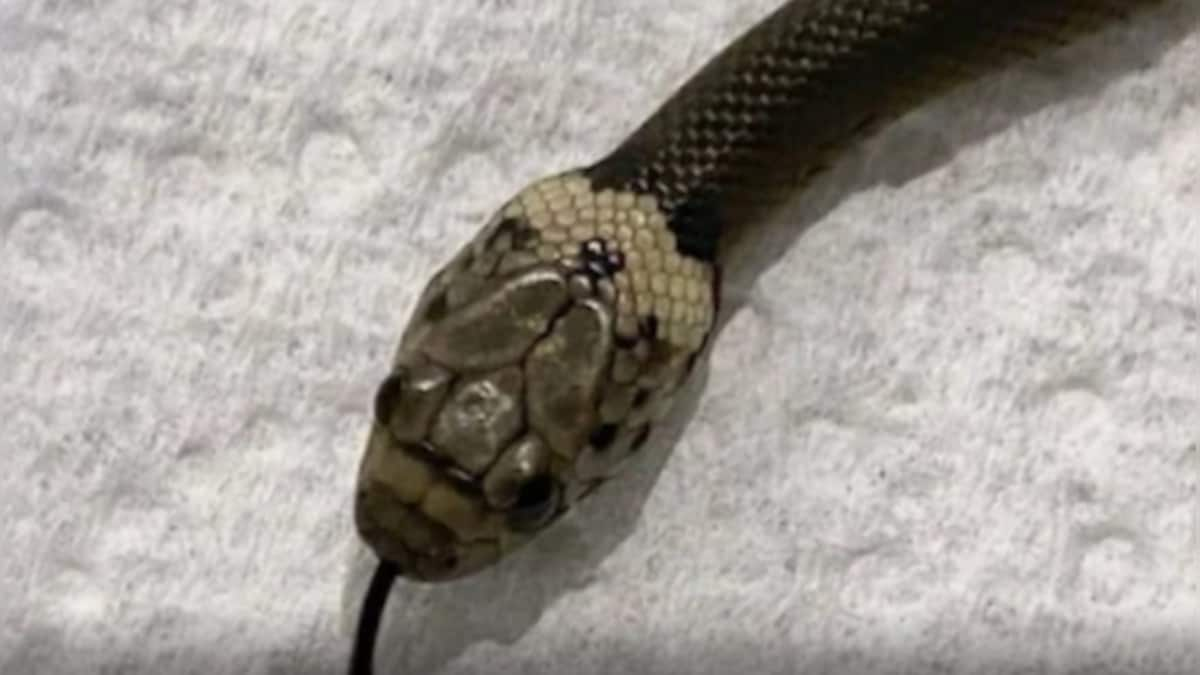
[[537, 500]]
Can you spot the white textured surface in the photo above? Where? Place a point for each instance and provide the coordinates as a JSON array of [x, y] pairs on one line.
[[953, 428]]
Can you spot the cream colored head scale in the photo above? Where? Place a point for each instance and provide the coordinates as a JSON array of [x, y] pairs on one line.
[[531, 369]]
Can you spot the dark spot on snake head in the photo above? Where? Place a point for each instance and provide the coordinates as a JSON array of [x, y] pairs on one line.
[[388, 395], [616, 262], [524, 237], [519, 232], [598, 261], [649, 327], [537, 501], [603, 437], [640, 398], [640, 441], [594, 249], [596, 270]]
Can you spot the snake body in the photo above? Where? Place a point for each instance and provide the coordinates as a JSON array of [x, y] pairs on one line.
[[538, 359]]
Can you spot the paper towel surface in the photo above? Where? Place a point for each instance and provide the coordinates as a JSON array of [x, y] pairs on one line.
[[951, 423]]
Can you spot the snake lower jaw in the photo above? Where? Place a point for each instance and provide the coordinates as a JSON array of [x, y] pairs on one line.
[[421, 548]]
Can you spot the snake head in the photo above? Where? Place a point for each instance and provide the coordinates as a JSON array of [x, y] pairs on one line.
[[527, 375]]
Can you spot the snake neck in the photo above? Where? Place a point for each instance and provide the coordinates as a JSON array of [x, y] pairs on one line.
[[777, 106]]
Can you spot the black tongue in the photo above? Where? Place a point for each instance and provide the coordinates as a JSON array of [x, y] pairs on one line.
[[370, 616]]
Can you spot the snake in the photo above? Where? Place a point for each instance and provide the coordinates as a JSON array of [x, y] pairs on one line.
[[537, 360]]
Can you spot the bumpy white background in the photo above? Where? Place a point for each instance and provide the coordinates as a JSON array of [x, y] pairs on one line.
[[951, 425]]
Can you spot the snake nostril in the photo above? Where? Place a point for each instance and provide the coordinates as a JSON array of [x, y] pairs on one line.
[[603, 436]]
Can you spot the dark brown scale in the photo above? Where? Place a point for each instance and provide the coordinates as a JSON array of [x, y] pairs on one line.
[[778, 104]]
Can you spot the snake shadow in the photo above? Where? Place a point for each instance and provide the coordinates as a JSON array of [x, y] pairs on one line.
[[427, 627]]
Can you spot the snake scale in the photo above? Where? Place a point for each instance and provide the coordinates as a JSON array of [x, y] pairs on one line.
[[538, 359]]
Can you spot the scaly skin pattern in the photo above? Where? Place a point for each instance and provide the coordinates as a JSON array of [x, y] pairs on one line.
[[782, 102], [532, 369], [537, 361]]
